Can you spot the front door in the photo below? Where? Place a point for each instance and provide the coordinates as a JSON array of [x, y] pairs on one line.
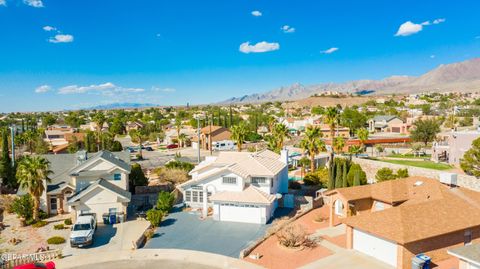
[[53, 205]]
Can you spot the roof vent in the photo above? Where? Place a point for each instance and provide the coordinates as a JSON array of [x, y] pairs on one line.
[[448, 179], [418, 183]]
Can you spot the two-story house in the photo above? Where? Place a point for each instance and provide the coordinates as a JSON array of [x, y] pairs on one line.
[[238, 186], [388, 124], [87, 183]]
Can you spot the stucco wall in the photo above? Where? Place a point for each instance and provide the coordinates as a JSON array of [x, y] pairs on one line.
[[371, 167]]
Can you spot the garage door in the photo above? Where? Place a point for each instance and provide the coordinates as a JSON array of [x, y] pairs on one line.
[[238, 213], [376, 247]]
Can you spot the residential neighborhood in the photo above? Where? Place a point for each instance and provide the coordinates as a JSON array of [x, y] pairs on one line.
[[246, 135]]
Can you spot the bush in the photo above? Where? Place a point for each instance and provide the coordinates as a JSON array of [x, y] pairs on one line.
[[39, 224], [180, 165], [68, 222], [294, 236], [149, 233], [42, 214], [23, 206], [6, 201], [172, 175], [59, 227], [56, 240], [402, 173], [356, 168], [385, 174], [294, 185], [155, 217], [319, 177], [165, 201]]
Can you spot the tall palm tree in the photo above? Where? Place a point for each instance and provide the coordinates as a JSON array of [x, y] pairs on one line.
[[339, 143], [99, 119], [362, 135], [312, 144], [239, 134], [138, 137], [331, 117], [182, 138], [280, 132], [178, 127], [31, 173]]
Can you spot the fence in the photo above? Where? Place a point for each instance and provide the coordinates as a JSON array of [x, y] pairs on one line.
[[8, 261]]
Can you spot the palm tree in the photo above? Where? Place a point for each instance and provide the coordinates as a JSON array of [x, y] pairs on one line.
[[178, 126], [99, 119], [239, 134], [312, 144], [30, 136], [331, 117], [355, 150], [339, 143], [280, 132], [31, 173], [138, 137], [182, 138], [362, 135]]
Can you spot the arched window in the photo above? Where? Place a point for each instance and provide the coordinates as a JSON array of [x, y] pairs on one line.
[[338, 207]]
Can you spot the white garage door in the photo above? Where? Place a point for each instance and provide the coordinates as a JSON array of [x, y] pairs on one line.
[[376, 247], [239, 213]]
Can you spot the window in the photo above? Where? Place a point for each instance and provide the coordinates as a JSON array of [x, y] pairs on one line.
[[53, 203], [208, 196], [112, 211], [379, 206], [229, 180], [188, 196], [117, 177], [258, 180], [196, 188], [338, 207], [468, 237], [200, 194], [195, 197]]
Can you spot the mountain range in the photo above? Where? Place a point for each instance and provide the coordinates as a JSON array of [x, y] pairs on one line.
[[463, 76]]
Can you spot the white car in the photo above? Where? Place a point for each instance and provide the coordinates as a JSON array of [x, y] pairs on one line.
[[83, 231]]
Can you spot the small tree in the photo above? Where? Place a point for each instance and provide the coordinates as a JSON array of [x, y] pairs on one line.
[[331, 178], [385, 174], [344, 175], [165, 201], [23, 206], [402, 173], [471, 159], [137, 177], [425, 131], [354, 170], [338, 176], [356, 180], [294, 236], [155, 216]]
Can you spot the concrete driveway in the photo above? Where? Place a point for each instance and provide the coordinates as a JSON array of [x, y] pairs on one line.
[[184, 230], [347, 259]]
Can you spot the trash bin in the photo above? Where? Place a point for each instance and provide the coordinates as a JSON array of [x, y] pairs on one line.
[[417, 263], [121, 217], [113, 219], [105, 219], [425, 259]]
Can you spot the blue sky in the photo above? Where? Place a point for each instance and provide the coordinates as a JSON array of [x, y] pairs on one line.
[[59, 54]]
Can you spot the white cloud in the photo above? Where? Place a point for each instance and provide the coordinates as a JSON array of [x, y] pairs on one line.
[[49, 28], [3, 3], [60, 38], [409, 28], [259, 47], [329, 51], [256, 13], [108, 89], [288, 29], [43, 89], [157, 89], [432, 56], [34, 3]]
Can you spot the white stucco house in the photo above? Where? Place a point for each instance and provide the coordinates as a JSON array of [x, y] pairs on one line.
[[238, 186], [87, 183]]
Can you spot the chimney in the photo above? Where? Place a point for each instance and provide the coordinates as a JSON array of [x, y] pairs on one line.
[[284, 156]]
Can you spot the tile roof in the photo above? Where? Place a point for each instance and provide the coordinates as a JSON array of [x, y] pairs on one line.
[[250, 195], [106, 185], [430, 210]]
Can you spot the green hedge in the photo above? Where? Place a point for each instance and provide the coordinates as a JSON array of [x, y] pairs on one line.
[[56, 240]]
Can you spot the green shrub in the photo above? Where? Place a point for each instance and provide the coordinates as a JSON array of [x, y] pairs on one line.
[[385, 174], [42, 214], [294, 185], [68, 222], [155, 217], [356, 168], [23, 206], [319, 177], [149, 233], [180, 165], [165, 201], [402, 173], [39, 224], [59, 227], [56, 240]]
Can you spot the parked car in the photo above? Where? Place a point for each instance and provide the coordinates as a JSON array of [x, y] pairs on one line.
[[142, 211], [148, 148], [172, 146], [83, 231], [37, 265]]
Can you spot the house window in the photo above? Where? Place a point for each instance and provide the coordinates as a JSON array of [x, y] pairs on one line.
[[188, 196], [200, 195], [195, 197], [258, 180], [468, 237], [338, 208], [229, 180], [112, 211], [53, 203], [379, 206], [117, 177]]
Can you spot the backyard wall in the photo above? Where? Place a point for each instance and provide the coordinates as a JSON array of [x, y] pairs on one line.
[[371, 167]]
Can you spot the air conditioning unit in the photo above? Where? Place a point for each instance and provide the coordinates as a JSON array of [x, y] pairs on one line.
[[448, 178]]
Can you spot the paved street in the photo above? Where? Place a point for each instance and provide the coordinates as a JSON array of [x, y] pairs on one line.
[[184, 230]]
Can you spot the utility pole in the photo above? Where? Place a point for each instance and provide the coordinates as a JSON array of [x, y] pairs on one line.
[[12, 133], [210, 138], [198, 136]]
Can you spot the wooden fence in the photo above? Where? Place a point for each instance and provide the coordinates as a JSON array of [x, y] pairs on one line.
[[9, 260]]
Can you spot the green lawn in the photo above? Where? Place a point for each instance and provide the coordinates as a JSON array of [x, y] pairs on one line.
[[422, 164], [409, 156]]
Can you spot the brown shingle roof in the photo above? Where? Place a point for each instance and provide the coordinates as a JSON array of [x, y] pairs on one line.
[[429, 212]]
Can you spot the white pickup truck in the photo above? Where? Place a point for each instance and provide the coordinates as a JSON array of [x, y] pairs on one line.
[[83, 231]]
